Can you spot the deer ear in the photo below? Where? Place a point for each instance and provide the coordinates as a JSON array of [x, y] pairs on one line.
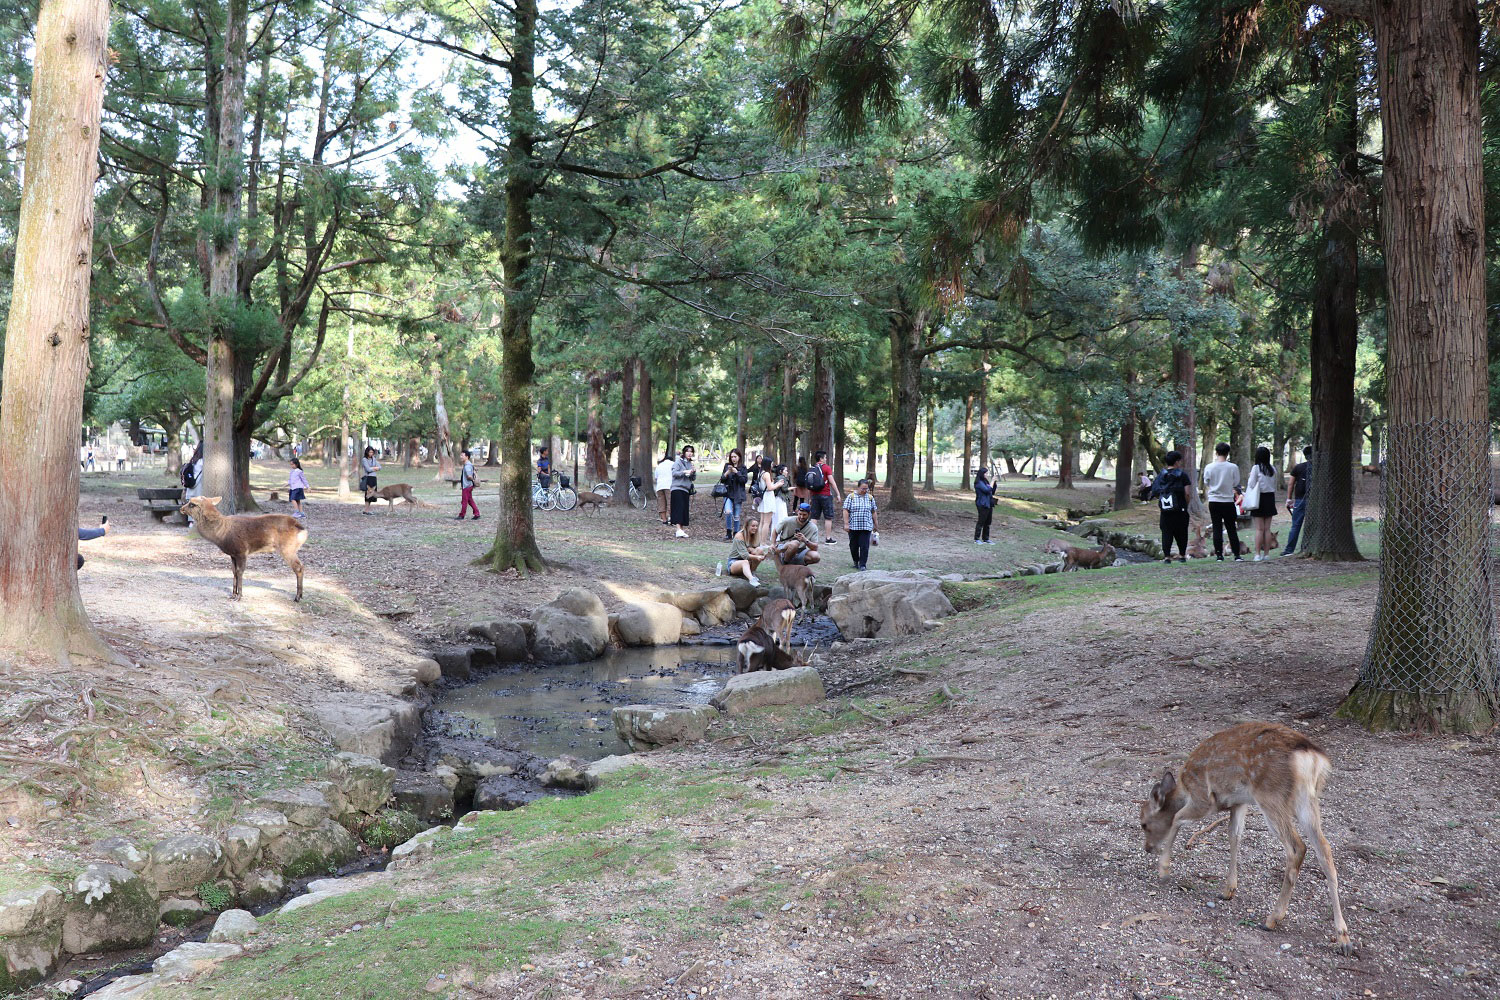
[[1162, 793]]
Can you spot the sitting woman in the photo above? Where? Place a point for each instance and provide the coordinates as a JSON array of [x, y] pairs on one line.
[[745, 552]]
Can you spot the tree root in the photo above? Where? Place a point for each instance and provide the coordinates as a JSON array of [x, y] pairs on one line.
[[1465, 711]]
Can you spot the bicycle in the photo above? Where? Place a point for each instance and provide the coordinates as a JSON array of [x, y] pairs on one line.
[[559, 496], [637, 498]]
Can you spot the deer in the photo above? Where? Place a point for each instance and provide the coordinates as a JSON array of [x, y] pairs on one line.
[[390, 494], [767, 643], [1076, 558], [587, 497], [796, 580], [1270, 765], [242, 535], [1245, 549]]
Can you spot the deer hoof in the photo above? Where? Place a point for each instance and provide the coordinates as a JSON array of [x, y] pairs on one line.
[[1270, 924], [1227, 894], [1343, 946]]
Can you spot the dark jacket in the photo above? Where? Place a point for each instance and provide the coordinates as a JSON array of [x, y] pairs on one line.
[[735, 478], [1174, 481], [984, 493]]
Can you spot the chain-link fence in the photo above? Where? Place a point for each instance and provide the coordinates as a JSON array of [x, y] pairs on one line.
[[1434, 619]]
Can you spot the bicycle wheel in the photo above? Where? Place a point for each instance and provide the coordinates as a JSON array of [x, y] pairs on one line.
[[603, 489], [637, 499], [567, 499], [549, 500]]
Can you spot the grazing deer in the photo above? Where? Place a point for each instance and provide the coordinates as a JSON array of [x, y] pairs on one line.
[[1276, 768], [242, 535], [390, 494], [1076, 558], [796, 580], [1245, 549], [1371, 470], [767, 644]]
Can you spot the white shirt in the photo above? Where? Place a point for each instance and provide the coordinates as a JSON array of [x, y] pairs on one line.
[[1221, 477], [663, 478], [1261, 482]]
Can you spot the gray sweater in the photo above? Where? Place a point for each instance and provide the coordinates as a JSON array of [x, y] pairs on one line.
[[683, 474]]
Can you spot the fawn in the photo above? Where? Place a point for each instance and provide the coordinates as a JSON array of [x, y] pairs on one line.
[[1076, 558], [242, 535], [1276, 768], [796, 580], [390, 494]]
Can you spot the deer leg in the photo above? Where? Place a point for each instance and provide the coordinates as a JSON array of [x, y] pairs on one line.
[[1314, 823], [238, 562], [1296, 851], [296, 564], [1236, 830]]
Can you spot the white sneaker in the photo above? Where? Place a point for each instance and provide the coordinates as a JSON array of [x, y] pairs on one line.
[[1259, 556], [681, 533], [978, 542], [718, 569]]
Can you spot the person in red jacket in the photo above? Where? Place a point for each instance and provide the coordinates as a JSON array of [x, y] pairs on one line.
[[825, 497]]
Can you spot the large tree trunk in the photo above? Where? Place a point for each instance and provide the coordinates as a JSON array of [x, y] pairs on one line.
[[515, 534], [788, 435], [742, 402], [47, 339], [492, 455], [598, 458], [821, 427], [840, 435], [872, 454], [1431, 662], [1125, 460], [444, 447], [964, 483], [1242, 434], [627, 428], [1069, 437], [983, 402], [645, 443], [927, 480], [906, 323], [227, 178], [1096, 461]]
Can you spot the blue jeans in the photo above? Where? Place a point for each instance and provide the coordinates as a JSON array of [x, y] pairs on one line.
[[732, 515], [1299, 507]]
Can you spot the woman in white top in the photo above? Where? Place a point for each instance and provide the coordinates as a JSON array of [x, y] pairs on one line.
[[771, 506], [1262, 485], [662, 483]]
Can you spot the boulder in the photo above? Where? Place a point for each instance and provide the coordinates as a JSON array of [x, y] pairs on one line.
[[375, 725], [260, 886], [365, 781], [881, 604], [331, 888], [185, 862], [719, 606], [507, 636], [424, 795], [124, 852], [502, 791], [690, 627], [182, 911], [417, 848], [304, 850], [269, 822], [301, 806], [742, 592], [241, 845], [234, 927], [392, 827], [426, 671], [567, 772], [454, 662], [31, 923], [643, 726], [649, 623], [795, 686], [112, 908], [193, 957], [572, 628], [597, 771], [129, 988]]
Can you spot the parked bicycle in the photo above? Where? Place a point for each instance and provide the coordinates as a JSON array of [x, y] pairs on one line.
[[560, 496], [637, 498]]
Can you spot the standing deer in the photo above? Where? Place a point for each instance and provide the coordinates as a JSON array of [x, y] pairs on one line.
[[1276, 768], [796, 579], [242, 535]]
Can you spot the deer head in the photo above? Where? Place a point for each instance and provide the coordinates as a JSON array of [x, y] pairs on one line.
[[1159, 810]]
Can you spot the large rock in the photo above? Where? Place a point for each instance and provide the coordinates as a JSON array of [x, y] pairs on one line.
[[365, 782], [193, 957], [742, 592], [643, 726], [572, 628], [375, 725], [454, 661], [424, 795], [391, 827], [503, 791], [417, 849], [182, 911], [302, 806], [796, 686], [234, 927], [184, 862], [124, 852], [882, 604], [241, 844], [112, 908], [331, 888], [269, 822], [649, 623], [508, 638], [30, 936], [567, 772], [598, 771], [260, 886], [306, 850]]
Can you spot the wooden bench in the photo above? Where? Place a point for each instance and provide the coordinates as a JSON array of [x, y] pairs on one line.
[[162, 502]]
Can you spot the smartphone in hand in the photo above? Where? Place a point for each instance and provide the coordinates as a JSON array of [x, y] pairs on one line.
[[103, 518]]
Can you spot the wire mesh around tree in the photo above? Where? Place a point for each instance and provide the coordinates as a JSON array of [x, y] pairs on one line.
[[1434, 619]]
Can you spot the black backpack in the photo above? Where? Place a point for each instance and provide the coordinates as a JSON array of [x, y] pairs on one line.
[[814, 478], [1169, 491], [188, 479]]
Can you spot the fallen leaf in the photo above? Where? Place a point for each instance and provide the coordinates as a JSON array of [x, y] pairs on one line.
[[1139, 918]]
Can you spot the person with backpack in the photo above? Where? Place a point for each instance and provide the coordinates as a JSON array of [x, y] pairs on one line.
[[1173, 491], [1296, 498], [466, 482], [824, 492], [1262, 489], [731, 489], [191, 474], [984, 500], [800, 492]]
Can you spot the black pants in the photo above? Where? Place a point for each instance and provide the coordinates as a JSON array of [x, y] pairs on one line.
[[982, 525], [859, 548], [1174, 524], [1222, 512]]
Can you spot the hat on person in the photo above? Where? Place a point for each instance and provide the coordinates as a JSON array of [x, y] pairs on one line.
[[804, 506]]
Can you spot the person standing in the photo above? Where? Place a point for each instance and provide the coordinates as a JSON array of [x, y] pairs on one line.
[[734, 478], [824, 492], [119, 458], [861, 520], [1173, 490], [1262, 487], [661, 481], [1296, 495], [296, 487], [684, 471], [984, 499], [771, 508], [466, 482], [1221, 480], [368, 466]]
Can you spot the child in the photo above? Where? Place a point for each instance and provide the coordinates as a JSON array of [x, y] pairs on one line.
[[296, 487]]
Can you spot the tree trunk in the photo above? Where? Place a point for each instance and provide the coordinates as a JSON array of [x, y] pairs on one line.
[[174, 446], [788, 443], [906, 323], [984, 409], [1242, 433], [871, 451], [1068, 437], [627, 428], [598, 459], [645, 443], [1095, 462], [1125, 460], [821, 426], [1010, 464], [1431, 662], [742, 402], [927, 480], [492, 456], [444, 446], [840, 435], [964, 483], [47, 339], [1185, 377], [1375, 442], [227, 179]]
